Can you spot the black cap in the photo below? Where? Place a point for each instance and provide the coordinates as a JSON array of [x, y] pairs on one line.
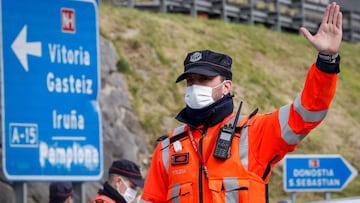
[[207, 63], [129, 170], [59, 191]]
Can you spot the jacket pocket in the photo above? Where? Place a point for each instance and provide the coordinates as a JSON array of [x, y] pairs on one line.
[[229, 190], [180, 193], [257, 192]]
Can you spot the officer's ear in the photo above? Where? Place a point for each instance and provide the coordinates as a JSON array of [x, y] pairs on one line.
[[227, 87], [69, 200], [114, 180]]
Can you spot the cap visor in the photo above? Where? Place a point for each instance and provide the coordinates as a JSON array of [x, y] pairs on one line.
[[138, 182], [197, 70]]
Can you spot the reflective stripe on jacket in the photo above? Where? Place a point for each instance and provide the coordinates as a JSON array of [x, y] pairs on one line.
[[102, 199], [264, 140]]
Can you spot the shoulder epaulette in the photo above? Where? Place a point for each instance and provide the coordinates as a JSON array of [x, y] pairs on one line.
[[161, 138], [178, 137], [239, 127], [178, 134], [253, 113]]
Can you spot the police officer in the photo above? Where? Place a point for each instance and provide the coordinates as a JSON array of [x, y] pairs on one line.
[[61, 192], [217, 156], [123, 180]]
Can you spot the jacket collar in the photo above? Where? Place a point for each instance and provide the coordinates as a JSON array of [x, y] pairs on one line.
[[208, 116]]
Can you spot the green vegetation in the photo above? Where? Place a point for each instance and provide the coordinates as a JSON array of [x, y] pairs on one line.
[[269, 70], [123, 66]]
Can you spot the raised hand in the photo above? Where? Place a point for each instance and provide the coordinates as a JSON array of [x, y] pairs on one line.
[[329, 35]]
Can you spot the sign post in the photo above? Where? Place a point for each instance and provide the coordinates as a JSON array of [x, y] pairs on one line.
[[51, 118], [317, 173]]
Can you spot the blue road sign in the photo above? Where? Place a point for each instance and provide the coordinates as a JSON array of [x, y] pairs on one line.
[[317, 173], [50, 83]]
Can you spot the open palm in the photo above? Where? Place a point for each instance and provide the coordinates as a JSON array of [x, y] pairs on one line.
[[329, 35]]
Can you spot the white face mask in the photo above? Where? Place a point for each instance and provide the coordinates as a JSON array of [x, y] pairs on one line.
[[129, 194], [199, 96]]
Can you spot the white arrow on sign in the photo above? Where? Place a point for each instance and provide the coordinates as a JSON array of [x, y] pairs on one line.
[[22, 48]]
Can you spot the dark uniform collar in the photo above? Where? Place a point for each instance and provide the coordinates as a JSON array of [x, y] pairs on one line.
[[111, 192], [208, 116]]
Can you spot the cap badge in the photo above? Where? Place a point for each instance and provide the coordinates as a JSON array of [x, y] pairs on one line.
[[195, 57]]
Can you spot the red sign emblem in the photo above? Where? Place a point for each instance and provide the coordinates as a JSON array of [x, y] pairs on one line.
[[314, 163], [68, 20]]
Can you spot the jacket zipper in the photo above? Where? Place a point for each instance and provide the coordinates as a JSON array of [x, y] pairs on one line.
[[200, 173], [201, 166]]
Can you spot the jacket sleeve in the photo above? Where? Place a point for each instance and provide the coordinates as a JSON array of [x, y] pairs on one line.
[[156, 183], [275, 134]]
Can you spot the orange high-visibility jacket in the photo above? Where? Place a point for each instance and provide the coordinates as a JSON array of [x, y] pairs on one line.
[[102, 199], [177, 173]]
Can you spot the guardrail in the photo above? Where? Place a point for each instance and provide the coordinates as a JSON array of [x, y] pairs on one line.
[[279, 15]]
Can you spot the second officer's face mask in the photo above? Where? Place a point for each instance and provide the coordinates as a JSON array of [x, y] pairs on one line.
[[199, 96], [129, 194]]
